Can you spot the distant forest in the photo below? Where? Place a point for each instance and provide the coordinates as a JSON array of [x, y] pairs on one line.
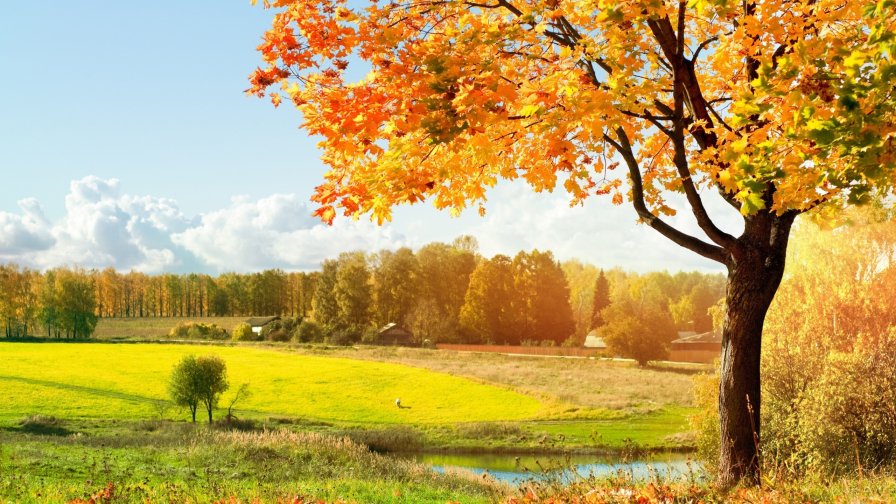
[[442, 292]]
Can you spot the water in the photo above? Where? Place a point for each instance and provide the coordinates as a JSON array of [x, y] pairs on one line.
[[517, 469]]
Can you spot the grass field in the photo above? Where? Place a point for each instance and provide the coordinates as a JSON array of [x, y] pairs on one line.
[[154, 327], [122, 381], [77, 416], [176, 462], [615, 387]]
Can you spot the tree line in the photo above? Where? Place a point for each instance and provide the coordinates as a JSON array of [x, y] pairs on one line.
[[445, 292]]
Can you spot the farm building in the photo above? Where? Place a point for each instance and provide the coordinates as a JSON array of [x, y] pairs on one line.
[[258, 323], [593, 340], [393, 334], [692, 347]]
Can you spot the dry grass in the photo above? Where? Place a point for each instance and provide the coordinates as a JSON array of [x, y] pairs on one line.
[[154, 327], [602, 384]]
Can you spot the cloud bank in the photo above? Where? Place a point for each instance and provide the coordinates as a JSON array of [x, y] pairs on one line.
[[103, 226]]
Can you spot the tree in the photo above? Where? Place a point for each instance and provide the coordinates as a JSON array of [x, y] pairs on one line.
[[76, 300], [601, 300], [242, 393], [581, 277], [444, 277], [352, 294], [552, 313], [541, 298], [182, 386], [198, 381], [640, 329], [779, 107], [395, 284], [326, 308], [488, 312]]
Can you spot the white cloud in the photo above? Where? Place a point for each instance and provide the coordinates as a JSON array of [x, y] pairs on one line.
[[597, 231], [26, 233], [102, 226], [277, 232]]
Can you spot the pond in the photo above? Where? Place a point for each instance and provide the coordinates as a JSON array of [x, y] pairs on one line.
[[517, 469]]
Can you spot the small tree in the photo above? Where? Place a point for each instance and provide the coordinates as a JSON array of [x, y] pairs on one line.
[[601, 300], [242, 393], [198, 380], [182, 387], [640, 330], [243, 332]]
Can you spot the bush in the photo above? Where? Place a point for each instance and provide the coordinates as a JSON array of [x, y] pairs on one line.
[[243, 332], [280, 330], [309, 332], [346, 335], [840, 419], [705, 423], [849, 414], [198, 331]]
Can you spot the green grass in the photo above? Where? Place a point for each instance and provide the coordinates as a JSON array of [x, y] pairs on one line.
[[180, 463], [122, 381]]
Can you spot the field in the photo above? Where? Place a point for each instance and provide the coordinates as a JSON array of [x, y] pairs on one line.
[[77, 416], [154, 327], [123, 381]]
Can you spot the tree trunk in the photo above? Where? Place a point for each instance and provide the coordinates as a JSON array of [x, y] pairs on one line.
[[755, 269]]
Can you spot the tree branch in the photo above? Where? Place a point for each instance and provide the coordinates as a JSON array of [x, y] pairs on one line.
[[708, 250]]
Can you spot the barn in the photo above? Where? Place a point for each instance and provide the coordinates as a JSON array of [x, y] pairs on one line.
[[692, 347], [395, 335]]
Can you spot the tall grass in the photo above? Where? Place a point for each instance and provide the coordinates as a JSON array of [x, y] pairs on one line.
[[201, 465]]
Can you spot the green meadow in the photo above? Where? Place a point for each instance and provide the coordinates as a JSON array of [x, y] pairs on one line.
[[81, 419], [124, 381]]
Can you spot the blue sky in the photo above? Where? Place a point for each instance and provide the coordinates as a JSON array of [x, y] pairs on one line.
[[126, 141]]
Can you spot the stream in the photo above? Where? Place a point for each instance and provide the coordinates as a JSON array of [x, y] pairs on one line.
[[517, 469]]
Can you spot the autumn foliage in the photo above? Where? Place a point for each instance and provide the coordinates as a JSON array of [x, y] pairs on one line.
[[452, 96]]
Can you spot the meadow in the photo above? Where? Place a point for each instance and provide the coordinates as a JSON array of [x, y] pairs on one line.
[[125, 381], [78, 416]]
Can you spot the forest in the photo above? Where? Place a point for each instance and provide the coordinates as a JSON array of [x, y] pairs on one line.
[[441, 293]]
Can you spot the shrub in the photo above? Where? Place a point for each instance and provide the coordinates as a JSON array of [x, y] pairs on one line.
[[243, 332], [345, 335], [705, 423], [837, 417], [198, 331], [280, 330], [850, 411], [309, 332]]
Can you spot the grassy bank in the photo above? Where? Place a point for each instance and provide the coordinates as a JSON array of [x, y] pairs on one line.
[[176, 462]]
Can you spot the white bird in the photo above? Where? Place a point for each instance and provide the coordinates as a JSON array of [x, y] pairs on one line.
[[398, 402]]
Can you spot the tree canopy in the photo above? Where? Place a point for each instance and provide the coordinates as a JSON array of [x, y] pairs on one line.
[[781, 105]]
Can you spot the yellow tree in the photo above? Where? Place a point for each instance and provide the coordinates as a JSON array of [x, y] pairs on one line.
[[782, 106]]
